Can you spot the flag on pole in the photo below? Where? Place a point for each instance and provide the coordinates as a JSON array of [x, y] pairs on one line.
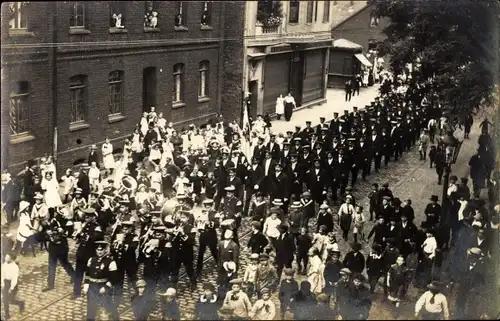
[[246, 133]]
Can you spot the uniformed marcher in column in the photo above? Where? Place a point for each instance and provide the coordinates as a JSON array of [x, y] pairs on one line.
[[100, 277], [85, 238], [231, 208], [206, 225], [123, 247], [58, 251], [183, 247], [157, 253]]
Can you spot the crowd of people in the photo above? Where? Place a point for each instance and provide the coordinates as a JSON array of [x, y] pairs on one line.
[[172, 197]]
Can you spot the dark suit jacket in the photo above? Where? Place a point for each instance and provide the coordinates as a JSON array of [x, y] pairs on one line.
[[278, 185], [285, 248], [275, 150], [229, 253], [354, 263], [254, 177], [259, 152], [93, 157]]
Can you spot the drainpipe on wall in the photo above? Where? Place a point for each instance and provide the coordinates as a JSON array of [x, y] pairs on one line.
[[54, 81]]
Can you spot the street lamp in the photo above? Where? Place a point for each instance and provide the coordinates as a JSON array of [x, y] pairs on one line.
[[451, 147]]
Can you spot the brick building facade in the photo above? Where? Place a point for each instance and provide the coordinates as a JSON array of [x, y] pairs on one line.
[[112, 61]]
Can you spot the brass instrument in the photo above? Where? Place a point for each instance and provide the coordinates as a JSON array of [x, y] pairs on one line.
[[179, 233], [150, 246], [145, 237], [127, 184]]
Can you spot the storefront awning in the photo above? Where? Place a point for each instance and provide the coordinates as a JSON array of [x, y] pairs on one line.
[[256, 55], [346, 44], [363, 59]]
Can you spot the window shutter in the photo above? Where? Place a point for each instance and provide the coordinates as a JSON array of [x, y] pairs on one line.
[[71, 9]]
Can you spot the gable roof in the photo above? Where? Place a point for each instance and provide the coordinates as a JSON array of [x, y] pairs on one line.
[[342, 13]]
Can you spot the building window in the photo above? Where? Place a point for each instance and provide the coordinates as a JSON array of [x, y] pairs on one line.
[[293, 14], [19, 109], [309, 13], [115, 84], [203, 81], [78, 98], [180, 17], [206, 13], [178, 88], [117, 15], [150, 14], [18, 15], [374, 20], [77, 16], [326, 10], [316, 4]]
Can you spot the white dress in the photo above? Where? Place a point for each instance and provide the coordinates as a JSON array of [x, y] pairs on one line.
[[52, 198], [155, 179], [24, 230], [315, 274], [280, 106], [107, 155]]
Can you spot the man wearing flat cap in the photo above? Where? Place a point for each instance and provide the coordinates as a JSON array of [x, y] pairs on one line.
[[236, 303], [100, 277]]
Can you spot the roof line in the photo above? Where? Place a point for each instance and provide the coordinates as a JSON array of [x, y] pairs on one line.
[[351, 16]]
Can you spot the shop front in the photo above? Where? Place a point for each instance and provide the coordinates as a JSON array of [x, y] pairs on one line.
[[346, 60]]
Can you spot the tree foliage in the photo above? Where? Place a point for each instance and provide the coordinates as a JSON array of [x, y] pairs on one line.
[[456, 42]]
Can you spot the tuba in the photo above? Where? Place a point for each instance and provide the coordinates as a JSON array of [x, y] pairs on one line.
[[127, 184]]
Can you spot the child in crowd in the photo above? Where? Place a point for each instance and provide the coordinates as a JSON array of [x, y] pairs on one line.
[[432, 155], [358, 219], [250, 277], [69, 182]]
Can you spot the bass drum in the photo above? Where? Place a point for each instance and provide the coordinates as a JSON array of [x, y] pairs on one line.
[[168, 207]]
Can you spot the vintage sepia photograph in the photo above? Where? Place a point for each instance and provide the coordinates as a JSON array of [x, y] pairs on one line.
[[250, 160]]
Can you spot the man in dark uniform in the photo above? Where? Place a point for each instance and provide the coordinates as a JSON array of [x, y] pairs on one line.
[[158, 254], [100, 277], [334, 124], [285, 249], [58, 251], [285, 153], [321, 125], [365, 154], [183, 249], [273, 147], [230, 208], [295, 174], [255, 177], [123, 249], [307, 157], [316, 182], [308, 131], [343, 167], [354, 155], [259, 150], [85, 238], [235, 181], [354, 260], [278, 184], [387, 148], [206, 225]]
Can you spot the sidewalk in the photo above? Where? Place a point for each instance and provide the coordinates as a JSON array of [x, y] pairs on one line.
[[335, 102]]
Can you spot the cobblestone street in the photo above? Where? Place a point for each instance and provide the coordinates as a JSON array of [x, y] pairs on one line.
[[408, 178]]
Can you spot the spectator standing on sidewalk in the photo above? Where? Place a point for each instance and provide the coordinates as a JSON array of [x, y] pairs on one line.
[[348, 90], [290, 104]]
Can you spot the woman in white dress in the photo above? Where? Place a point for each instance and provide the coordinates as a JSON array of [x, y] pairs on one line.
[[51, 187], [108, 158], [366, 73], [280, 106], [315, 272], [25, 231], [50, 166]]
